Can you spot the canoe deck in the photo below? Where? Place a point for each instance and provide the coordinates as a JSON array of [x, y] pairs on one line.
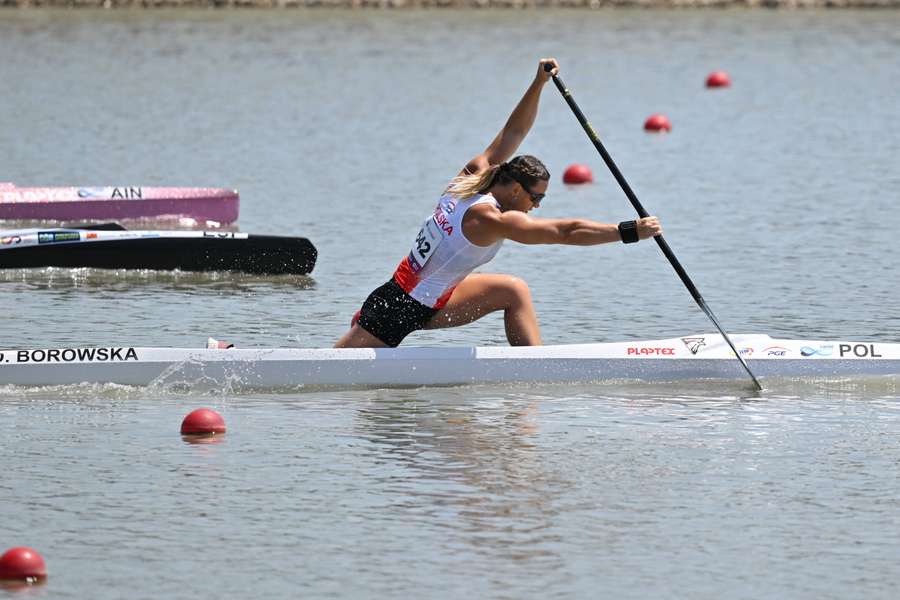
[[218, 205]]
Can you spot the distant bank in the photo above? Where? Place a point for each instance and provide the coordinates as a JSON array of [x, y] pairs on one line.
[[401, 4]]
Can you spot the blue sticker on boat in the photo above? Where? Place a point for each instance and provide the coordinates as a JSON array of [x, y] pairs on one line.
[[52, 237], [91, 192], [825, 350]]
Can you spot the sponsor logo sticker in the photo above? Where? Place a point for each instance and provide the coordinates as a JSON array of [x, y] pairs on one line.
[[91, 192], [823, 350], [651, 352], [52, 237], [694, 343], [775, 351]]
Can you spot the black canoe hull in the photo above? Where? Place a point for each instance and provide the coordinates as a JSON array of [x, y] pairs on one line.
[[257, 254]]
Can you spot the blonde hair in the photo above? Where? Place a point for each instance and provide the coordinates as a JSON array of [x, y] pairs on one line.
[[525, 167], [464, 187]]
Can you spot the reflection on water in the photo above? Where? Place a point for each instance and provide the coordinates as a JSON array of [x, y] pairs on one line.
[[472, 470], [687, 394], [146, 280], [494, 490]]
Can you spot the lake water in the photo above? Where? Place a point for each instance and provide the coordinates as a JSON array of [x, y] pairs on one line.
[[777, 196]]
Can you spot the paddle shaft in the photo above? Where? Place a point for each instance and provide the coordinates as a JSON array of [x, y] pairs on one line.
[[660, 241]]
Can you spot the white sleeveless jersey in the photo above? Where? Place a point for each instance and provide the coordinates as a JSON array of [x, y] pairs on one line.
[[441, 256]]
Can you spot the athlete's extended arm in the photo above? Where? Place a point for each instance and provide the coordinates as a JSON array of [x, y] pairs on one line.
[[517, 125], [489, 226]]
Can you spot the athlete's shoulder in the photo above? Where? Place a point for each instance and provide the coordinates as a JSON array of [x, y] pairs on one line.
[[483, 208]]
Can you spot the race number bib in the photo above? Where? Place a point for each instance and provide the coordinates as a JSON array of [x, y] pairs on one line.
[[427, 241]]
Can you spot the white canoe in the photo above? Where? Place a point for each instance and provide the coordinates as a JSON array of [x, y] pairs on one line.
[[688, 358]]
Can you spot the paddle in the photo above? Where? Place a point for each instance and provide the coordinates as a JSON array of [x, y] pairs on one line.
[[643, 213]]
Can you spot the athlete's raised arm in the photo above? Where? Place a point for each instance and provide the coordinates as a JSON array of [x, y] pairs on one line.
[[517, 125]]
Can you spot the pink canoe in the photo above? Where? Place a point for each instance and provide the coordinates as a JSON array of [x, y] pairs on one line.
[[126, 202]]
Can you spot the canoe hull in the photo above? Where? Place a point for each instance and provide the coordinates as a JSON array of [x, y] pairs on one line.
[[157, 250], [585, 363]]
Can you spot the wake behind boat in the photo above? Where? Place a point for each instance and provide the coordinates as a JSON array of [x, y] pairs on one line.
[[668, 360], [111, 246], [115, 203]]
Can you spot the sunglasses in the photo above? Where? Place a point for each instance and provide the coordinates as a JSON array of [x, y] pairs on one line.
[[535, 197]]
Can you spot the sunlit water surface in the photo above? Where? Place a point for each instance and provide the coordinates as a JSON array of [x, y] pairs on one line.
[[777, 195]]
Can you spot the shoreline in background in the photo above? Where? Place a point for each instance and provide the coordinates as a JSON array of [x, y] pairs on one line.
[[452, 4]]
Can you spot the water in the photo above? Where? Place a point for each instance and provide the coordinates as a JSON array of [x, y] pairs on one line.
[[776, 195]]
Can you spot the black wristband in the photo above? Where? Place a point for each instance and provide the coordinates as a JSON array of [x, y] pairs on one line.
[[628, 231]]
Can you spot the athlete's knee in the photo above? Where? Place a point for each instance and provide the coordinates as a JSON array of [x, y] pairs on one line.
[[517, 291]]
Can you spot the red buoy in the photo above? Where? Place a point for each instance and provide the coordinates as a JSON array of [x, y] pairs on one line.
[[718, 79], [22, 564], [578, 174], [657, 122], [203, 421]]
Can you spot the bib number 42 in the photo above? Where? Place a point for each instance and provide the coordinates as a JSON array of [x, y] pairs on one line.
[[423, 246], [427, 241]]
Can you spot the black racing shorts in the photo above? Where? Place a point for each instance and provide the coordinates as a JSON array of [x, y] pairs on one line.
[[390, 314]]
